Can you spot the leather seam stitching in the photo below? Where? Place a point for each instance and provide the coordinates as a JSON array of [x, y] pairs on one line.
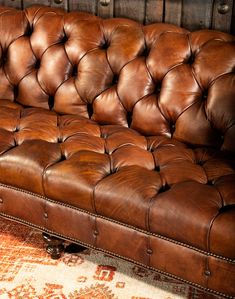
[[119, 223]]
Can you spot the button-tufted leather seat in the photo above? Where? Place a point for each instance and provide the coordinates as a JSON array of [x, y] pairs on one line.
[[121, 137]]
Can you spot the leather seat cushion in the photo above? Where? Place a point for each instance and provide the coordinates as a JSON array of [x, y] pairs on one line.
[[155, 183]]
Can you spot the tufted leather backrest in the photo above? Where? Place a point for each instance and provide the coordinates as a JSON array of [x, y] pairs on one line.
[[158, 79]]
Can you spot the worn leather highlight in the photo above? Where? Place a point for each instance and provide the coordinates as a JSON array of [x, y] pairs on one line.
[[124, 136]]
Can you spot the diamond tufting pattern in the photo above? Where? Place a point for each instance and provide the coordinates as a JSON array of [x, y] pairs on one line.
[[74, 160], [126, 120], [175, 77]]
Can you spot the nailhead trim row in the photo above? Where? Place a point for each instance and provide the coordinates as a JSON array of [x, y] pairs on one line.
[[122, 224], [114, 255]]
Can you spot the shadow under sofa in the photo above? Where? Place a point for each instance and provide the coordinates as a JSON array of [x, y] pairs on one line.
[[121, 137]]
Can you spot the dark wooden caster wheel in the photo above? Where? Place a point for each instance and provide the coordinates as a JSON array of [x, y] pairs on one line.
[[54, 246]]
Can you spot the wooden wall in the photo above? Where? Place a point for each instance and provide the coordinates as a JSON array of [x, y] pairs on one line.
[[191, 14]]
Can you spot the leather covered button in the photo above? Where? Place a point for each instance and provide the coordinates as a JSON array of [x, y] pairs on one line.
[[45, 215], [207, 273], [37, 64], [1, 200], [149, 251], [96, 233]]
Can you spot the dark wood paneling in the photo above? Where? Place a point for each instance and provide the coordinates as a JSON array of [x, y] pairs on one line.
[[233, 20], [197, 14], [134, 9], [222, 15], [191, 14], [11, 3], [154, 11], [27, 3], [55, 3], [173, 11], [83, 5]]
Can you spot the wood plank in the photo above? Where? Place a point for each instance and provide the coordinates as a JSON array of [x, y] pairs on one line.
[[11, 3], [222, 21], [197, 14], [133, 9], [173, 11], [105, 10], [154, 11], [27, 3], [232, 30], [83, 5]]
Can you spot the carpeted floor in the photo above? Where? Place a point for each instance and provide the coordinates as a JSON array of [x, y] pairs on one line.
[[26, 271]]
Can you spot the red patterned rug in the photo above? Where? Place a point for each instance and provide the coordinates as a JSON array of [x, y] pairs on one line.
[[27, 272]]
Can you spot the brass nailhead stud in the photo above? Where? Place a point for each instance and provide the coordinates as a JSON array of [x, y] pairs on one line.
[[223, 8], [149, 251], [104, 2], [207, 273]]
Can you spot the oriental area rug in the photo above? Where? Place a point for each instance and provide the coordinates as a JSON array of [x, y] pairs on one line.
[[28, 272]]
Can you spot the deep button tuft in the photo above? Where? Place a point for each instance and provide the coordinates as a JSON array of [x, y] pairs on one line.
[[64, 39], [37, 64], [158, 87], [211, 182], [51, 102], [149, 251], [3, 59], [89, 109], [96, 232], [129, 118], [227, 208], [115, 80], [63, 157], [191, 59], [146, 51], [29, 31], [15, 91], [204, 95], [200, 163], [113, 170], [74, 71], [1, 200], [172, 128], [45, 215], [157, 168], [164, 188], [207, 273], [59, 140], [104, 45]]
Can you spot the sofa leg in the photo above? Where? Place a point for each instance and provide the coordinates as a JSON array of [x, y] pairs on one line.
[[54, 246]]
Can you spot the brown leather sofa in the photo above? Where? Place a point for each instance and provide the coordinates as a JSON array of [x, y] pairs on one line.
[[121, 137]]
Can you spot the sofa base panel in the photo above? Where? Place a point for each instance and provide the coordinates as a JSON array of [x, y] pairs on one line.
[[199, 269], [83, 245]]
